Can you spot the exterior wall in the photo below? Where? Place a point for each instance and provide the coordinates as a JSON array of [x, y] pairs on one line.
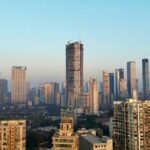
[[131, 78]]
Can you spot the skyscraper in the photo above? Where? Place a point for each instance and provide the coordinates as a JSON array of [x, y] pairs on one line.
[[13, 135], [19, 84], [111, 83], [74, 73], [131, 78], [131, 125], [119, 75], [106, 91], [145, 75]]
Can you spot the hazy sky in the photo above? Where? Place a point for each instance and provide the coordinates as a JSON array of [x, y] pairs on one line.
[[34, 33]]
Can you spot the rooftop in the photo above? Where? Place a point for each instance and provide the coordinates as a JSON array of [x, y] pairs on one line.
[[94, 139]]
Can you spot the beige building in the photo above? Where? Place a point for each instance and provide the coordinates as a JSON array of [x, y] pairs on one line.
[[123, 92], [92, 142], [131, 125], [65, 138], [74, 73], [18, 85], [50, 92], [13, 135], [94, 103]]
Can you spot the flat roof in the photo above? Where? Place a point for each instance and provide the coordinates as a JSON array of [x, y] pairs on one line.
[[94, 139]]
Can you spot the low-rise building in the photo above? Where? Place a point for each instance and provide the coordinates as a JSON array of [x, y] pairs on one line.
[[92, 142]]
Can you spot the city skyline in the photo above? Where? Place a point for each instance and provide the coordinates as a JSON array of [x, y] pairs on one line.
[[112, 34]]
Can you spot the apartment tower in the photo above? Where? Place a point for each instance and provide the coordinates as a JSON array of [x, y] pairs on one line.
[[13, 135], [19, 84], [131, 125], [131, 78]]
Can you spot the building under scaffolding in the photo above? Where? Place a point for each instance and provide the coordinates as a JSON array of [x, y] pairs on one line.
[[74, 73]]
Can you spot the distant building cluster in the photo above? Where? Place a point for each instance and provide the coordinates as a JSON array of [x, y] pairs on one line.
[[84, 97], [117, 94]]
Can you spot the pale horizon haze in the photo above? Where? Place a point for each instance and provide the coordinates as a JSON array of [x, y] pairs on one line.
[[33, 33]]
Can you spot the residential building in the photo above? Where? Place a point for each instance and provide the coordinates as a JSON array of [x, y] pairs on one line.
[[19, 84], [131, 125], [131, 78], [13, 135]]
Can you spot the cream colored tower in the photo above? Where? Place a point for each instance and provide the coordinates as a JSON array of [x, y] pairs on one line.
[[19, 84], [13, 135], [66, 139], [94, 104]]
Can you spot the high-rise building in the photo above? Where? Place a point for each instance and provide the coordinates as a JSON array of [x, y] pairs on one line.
[[13, 135], [119, 75], [94, 100], [19, 85], [106, 91], [145, 75], [74, 73], [111, 83], [131, 78], [65, 138], [50, 92], [131, 125], [3, 91]]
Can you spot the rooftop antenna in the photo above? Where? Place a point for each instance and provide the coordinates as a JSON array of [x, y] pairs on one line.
[[79, 38]]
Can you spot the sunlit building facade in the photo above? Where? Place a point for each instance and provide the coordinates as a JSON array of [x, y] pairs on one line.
[[13, 135]]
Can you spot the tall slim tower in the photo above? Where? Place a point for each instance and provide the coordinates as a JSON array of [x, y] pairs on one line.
[[131, 78], [94, 103], [19, 84], [106, 90], [145, 75], [74, 73], [119, 75]]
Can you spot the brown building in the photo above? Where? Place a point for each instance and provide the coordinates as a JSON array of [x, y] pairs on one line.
[[74, 73], [131, 125], [13, 135]]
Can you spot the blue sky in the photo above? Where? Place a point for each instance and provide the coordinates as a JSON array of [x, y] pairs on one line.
[[34, 33]]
